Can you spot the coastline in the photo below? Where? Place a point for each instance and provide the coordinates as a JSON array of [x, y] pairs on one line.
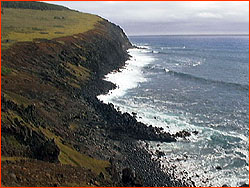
[[135, 152], [81, 106], [147, 161], [128, 76], [202, 178], [46, 117]]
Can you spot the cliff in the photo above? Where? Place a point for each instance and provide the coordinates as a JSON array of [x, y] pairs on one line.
[[54, 131]]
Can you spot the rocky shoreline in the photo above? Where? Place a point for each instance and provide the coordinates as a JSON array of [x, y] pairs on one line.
[[54, 130], [125, 131], [52, 117]]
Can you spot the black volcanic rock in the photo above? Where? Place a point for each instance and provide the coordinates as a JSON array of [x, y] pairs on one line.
[[245, 185], [46, 94], [49, 152]]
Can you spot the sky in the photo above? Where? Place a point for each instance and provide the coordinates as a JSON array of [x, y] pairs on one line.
[[170, 17]]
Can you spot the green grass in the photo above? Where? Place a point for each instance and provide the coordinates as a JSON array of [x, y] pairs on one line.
[[27, 24], [18, 99], [5, 71], [9, 116], [11, 141], [4, 158], [31, 5], [70, 156], [80, 73]]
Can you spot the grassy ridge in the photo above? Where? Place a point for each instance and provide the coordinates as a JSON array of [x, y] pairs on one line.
[[26, 21], [28, 24], [32, 5], [43, 108]]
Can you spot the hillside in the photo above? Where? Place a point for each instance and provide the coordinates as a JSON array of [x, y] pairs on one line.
[[54, 130], [31, 5], [47, 22]]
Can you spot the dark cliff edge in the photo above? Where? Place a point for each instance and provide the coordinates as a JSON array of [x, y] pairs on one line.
[[54, 130]]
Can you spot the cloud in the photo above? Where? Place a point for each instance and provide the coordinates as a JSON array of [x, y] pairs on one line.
[[208, 14]]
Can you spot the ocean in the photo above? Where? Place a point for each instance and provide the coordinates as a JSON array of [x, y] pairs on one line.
[[192, 83]]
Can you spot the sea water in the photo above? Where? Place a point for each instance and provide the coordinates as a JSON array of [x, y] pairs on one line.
[[192, 83]]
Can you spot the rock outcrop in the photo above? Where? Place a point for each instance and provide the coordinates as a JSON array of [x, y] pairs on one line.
[[50, 113]]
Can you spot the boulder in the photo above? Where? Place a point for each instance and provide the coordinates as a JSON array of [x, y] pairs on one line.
[[245, 185], [49, 152], [129, 178], [182, 134], [218, 168], [159, 153]]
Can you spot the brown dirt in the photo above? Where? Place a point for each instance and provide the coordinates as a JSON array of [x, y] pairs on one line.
[[43, 174]]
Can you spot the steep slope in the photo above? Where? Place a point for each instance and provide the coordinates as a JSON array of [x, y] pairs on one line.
[[40, 81], [50, 117]]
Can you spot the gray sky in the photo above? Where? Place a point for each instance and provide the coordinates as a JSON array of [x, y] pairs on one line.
[[170, 17]]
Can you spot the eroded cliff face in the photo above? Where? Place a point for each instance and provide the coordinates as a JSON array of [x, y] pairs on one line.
[[52, 119], [44, 113]]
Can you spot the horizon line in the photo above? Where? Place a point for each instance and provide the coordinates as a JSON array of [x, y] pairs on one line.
[[233, 34]]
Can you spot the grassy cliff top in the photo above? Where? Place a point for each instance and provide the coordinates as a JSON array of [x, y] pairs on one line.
[[26, 21], [31, 5]]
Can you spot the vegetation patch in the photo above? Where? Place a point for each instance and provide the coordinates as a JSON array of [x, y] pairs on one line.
[[73, 126], [9, 117], [80, 72], [60, 26], [36, 29], [44, 33], [31, 5], [4, 158], [70, 156], [59, 32], [18, 99], [17, 24], [5, 71], [12, 148], [12, 141]]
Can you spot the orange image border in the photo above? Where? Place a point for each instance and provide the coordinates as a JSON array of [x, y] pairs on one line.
[[108, 0]]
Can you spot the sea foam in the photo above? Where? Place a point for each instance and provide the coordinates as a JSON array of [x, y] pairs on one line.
[[129, 76]]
